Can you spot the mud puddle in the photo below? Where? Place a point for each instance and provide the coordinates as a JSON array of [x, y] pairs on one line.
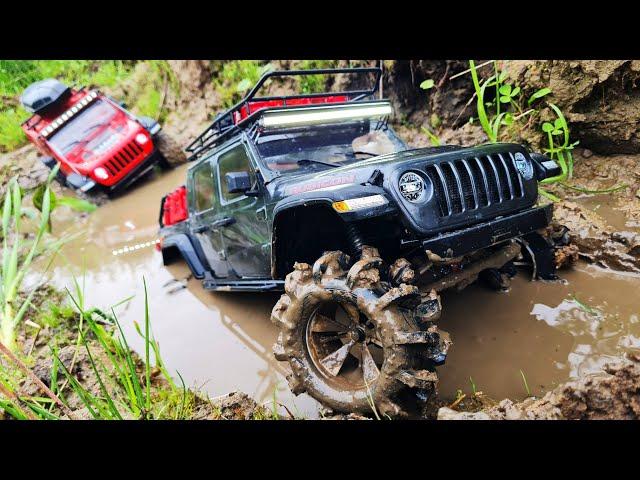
[[605, 205], [221, 342], [552, 332]]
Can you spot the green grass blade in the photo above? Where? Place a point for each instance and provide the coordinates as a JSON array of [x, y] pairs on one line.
[[146, 346]]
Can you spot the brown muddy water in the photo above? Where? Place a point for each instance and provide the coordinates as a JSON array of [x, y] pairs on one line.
[[221, 342]]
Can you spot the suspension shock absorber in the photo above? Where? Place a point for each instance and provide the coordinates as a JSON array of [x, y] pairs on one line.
[[356, 241]]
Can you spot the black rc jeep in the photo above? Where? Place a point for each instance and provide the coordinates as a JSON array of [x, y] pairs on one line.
[[317, 196]]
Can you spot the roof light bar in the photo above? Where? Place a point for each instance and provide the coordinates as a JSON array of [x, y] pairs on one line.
[[66, 116], [324, 114]]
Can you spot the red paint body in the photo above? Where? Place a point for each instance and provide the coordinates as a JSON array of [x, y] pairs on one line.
[[118, 154]]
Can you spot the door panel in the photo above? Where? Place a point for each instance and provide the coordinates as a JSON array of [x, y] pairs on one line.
[[205, 206], [246, 235]]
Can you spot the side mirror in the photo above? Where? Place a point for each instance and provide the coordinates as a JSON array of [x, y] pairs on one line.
[[240, 182]]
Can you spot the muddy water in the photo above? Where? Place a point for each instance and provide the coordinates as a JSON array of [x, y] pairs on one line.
[[221, 342]]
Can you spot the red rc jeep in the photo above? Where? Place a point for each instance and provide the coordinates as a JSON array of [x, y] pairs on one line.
[[96, 141]]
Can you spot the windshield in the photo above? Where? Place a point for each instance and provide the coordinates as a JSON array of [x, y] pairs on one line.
[[325, 146], [83, 126]]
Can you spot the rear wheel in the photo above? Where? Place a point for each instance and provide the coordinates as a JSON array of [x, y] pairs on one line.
[[356, 343], [171, 151]]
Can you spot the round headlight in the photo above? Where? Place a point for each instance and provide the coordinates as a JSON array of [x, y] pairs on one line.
[[141, 138], [101, 173], [412, 187], [524, 166]]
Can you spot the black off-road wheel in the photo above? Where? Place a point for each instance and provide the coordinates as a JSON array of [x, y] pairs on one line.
[[171, 151], [356, 343]]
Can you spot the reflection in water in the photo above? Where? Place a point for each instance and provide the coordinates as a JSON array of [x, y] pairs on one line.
[[222, 341]]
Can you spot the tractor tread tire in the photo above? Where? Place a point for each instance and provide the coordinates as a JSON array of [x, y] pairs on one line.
[[407, 371]]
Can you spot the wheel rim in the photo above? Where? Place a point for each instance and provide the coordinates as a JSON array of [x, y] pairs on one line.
[[344, 347]]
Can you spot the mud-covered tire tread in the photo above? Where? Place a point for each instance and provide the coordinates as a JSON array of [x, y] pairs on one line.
[[390, 309]]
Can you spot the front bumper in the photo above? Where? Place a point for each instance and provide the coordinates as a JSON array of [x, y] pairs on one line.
[[483, 235], [80, 182]]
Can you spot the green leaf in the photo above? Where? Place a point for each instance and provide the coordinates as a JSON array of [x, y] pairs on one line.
[[508, 119], [539, 94], [76, 204], [505, 99], [515, 92], [547, 127], [38, 197], [505, 89], [427, 84]]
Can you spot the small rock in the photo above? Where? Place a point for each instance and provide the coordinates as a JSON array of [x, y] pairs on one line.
[[586, 153], [445, 413], [236, 406]]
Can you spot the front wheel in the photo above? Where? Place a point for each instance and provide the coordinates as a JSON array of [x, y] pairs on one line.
[[355, 343], [50, 163], [172, 153]]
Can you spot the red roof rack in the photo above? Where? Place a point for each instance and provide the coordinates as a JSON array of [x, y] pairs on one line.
[[244, 112]]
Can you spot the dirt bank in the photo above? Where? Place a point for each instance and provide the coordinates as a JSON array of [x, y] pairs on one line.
[[613, 394], [600, 98]]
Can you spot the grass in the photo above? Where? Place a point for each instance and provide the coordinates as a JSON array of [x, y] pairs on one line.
[[236, 77], [314, 83], [526, 385], [18, 253], [126, 386]]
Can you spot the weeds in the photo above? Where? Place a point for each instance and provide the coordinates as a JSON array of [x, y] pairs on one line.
[[526, 385], [583, 306], [17, 258], [314, 83], [236, 77]]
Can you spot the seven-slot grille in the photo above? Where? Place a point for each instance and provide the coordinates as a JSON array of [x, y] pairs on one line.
[[124, 157], [471, 183]]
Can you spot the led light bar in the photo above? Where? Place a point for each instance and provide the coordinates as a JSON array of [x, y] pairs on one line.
[[324, 114], [66, 116], [359, 203]]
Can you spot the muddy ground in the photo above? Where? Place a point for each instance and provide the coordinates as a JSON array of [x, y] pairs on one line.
[[602, 103]]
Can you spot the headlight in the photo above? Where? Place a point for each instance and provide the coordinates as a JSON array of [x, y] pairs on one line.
[[141, 138], [412, 187], [101, 173], [359, 203], [524, 166]]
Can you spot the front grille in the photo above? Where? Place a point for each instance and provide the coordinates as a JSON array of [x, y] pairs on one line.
[[473, 183], [122, 158]]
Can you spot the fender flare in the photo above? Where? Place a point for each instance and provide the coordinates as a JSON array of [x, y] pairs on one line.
[[182, 243]]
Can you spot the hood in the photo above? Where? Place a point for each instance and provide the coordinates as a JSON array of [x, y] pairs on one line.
[[459, 185]]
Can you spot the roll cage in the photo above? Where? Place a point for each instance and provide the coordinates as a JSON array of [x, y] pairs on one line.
[[243, 115]]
